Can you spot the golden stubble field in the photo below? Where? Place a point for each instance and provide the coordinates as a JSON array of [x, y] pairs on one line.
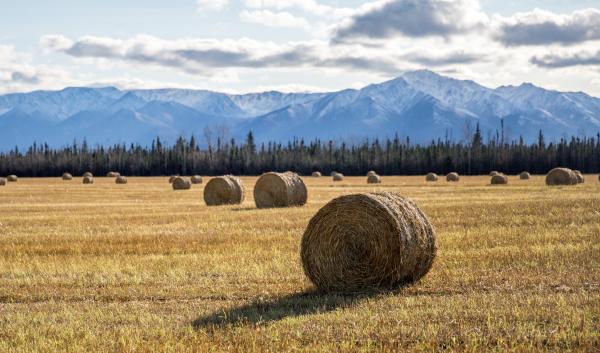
[[140, 268]]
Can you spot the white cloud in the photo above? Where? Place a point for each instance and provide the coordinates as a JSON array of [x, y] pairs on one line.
[[384, 19], [540, 27], [273, 19], [211, 5], [18, 74]]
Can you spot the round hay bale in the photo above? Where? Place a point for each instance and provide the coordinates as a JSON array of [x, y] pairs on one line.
[[374, 179], [12, 178], [180, 183], [580, 177], [88, 174], [333, 173], [367, 241], [524, 176], [494, 172], [280, 190], [431, 177], [499, 179], [67, 176], [196, 179], [88, 180], [112, 174], [561, 176], [121, 180], [172, 178], [224, 190], [372, 172], [338, 177], [2, 181], [453, 177], [316, 174]]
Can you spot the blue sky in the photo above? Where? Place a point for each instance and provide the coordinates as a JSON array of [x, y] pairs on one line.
[[296, 45]]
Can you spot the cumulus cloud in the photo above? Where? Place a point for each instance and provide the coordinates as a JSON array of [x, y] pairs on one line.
[[540, 27], [412, 18], [273, 19], [554, 61], [17, 74], [211, 5], [202, 56]]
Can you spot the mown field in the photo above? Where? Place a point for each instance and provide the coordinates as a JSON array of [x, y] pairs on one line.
[[140, 268]]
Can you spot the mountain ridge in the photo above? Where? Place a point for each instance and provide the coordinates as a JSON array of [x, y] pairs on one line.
[[422, 105]]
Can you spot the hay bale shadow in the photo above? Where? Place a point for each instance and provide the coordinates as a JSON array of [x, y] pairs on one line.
[[265, 311]]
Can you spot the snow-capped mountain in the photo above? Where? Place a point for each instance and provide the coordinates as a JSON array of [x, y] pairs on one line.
[[421, 105]]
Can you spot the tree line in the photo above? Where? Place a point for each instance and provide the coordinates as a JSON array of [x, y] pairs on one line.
[[391, 156]]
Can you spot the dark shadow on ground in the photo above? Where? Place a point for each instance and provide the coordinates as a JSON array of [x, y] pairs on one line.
[[267, 311]]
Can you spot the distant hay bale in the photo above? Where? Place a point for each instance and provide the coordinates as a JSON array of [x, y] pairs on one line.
[[196, 179], [12, 178], [431, 177], [561, 176], [112, 174], [280, 190], [224, 190], [316, 174], [88, 179], [180, 183], [121, 180], [67, 176], [333, 173], [373, 179], [172, 178], [524, 176], [367, 241], [494, 172], [2, 181], [453, 177], [580, 177], [371, 172], [499, 179], [88, 174], [338, 177]]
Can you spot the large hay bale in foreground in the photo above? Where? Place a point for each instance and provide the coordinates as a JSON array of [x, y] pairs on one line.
[[561, 176], [373, 179], [524, 176], [2, 181], [316, 174], [113, 174], [180, 183], [121, 180], [67, 176], [580, 177], [431, 177], [88, 180], [338, 177], [367, 241], [172, 178], [453, 177], [224, 190], [88, 174], [12, 178], [280, 190], [196, 179], [499, 179]]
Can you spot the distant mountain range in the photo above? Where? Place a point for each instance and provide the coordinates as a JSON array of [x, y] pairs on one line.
[[421, 105]]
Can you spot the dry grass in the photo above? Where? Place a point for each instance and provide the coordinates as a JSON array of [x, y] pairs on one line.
[[103, 268]]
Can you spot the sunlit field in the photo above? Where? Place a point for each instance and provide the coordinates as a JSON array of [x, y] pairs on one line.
[[140, 267]]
